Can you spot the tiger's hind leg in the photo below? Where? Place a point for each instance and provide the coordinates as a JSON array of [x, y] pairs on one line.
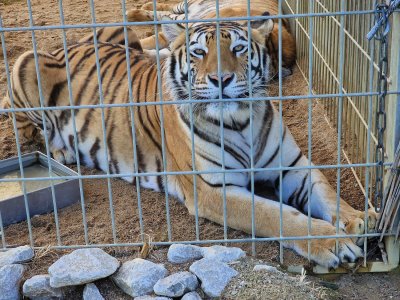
[[149, 43], [160, 6], [141, 15], [114, 35]]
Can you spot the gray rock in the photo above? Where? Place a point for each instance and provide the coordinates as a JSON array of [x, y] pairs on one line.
[[222, 253], [191, 296], [181, 253], [176, 284], [137, 277], [147, 297], [16, 255], [266, 268], [82, 266], [38, 287], [91, 292], [10, 279], [213, 274]]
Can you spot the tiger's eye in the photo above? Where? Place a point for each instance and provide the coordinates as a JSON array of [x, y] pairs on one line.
[[238, 48], [200, 52]]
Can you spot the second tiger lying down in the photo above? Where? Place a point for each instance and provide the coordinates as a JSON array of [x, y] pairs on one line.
[[206, 124]]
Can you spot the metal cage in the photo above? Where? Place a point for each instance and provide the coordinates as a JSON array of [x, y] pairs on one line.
[[335, 58]]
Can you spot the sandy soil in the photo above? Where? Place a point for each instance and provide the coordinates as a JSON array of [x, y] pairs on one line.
[[124, 205]]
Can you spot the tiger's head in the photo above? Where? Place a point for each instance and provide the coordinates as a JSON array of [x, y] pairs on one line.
[[204, 81]]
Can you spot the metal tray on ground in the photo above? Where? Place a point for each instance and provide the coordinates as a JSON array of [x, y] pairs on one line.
[[39, 196]]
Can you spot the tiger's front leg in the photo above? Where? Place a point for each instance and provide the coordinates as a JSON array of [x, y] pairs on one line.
[[267, 215], [323, 205]]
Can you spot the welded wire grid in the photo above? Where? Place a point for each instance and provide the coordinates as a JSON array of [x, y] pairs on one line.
[[329, 36], [359, 136]]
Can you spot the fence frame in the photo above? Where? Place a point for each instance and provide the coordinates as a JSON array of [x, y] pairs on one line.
[[394, 135]]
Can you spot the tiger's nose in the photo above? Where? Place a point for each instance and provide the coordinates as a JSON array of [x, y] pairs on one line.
[[226, 79]]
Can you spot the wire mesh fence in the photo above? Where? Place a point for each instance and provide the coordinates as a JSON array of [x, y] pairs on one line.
[[339, 63]]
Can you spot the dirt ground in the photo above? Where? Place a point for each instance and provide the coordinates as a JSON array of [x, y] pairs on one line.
[[97, 205]]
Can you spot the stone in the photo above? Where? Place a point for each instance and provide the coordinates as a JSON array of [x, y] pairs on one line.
[[16, 255], [176, 284], [181, 253], [191, 296], [38, 287], [147, 297], [10, 279], [222, 253], [213, 274], [137, 277], [82, 266], [91, 292], [266, 268]]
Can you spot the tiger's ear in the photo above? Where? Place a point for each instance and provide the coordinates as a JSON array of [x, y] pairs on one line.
[[264, 27], [171, 30]]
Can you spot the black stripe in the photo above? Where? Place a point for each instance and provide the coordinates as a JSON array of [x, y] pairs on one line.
[[149, 77], [208, 139], [93, 152], [213, 161], [140, 109], [99, 33], [271, 159], [116, 32], [302, 203], [135, 45], [217, 185], [110, 145], [264, 134], [300, 155], [303, 184], [159, 179], [71, 141], [55, 93], [236, 126]]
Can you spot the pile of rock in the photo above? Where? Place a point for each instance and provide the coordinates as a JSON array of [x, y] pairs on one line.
[[138, 278]]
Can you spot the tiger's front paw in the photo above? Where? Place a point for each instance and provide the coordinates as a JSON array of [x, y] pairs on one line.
[[63, 156], [357, 225], [323, 251]]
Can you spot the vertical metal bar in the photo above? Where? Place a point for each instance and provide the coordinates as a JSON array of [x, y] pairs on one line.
[[46, 139], [14, 121], [3, 234], [133, 127], [103, 125], [339, 120], [196, 205], [280, 129], [310, 87], [250, 84], [159, 85], [221, 105], [71, 102]]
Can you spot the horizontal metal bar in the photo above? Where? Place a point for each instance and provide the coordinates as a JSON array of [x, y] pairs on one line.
[[181, 102], [251, 18], [200, 242], [248, 170]]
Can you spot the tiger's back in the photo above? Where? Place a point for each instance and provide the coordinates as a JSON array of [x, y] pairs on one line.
[[115, 153]]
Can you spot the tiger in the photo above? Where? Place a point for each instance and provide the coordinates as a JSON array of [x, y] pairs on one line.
[[223, 137], [206, 9]]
